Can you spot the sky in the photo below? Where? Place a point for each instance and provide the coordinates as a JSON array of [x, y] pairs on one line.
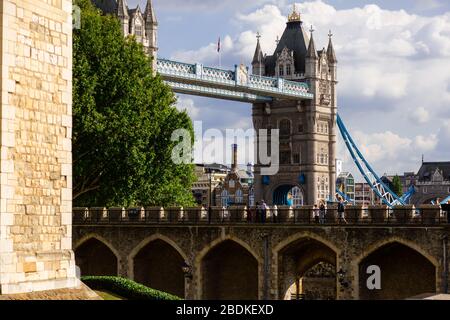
[[393, 66]]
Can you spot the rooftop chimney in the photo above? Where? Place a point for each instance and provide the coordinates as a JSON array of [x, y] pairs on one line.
[[234, 164]]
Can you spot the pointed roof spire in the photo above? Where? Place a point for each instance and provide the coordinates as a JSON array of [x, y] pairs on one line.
[[258, 57], [122, 8], [312, 53], [331, 55], [149, 13]]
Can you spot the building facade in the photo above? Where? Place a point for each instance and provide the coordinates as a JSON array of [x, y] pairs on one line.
[[432, 183], [209, 176], [143, 25], [345, 183], [307, 129], [364, 195], [236, 189]]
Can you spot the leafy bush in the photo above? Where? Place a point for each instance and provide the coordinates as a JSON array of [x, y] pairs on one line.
[[126, 288]]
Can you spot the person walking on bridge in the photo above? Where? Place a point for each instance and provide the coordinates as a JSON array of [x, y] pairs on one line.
[[322, 213], [341, 211], [264, 208]]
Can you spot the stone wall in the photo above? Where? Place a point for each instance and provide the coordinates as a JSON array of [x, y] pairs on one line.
[[290, 250], [36, 130]]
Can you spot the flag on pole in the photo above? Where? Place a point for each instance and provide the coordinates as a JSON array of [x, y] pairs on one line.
[[218, 45]]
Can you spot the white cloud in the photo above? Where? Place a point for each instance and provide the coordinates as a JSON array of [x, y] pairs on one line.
[[428, 143], [186, 104], [419, 115]]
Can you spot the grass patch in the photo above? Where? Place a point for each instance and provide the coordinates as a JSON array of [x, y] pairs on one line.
[[106, 295], [125, 288]]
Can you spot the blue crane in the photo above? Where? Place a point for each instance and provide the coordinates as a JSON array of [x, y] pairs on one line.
[[378, 186]]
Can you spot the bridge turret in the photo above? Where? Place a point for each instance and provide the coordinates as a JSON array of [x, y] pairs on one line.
[[122, 14], [151, 30], [331, 56], [311, 58], [258, 63]]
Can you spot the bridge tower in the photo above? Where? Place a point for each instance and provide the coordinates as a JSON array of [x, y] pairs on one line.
[[134, 22], [308, 127]]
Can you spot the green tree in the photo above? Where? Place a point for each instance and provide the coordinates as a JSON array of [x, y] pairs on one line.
[[397, 185], [123, 119]]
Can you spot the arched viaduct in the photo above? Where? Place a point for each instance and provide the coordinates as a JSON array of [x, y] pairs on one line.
[[256, 261]]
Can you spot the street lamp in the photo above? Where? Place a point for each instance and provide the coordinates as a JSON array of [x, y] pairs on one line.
[[187, 270], [341, 278], [210, 187]]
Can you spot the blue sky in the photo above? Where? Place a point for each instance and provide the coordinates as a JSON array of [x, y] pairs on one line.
[[394, 66]]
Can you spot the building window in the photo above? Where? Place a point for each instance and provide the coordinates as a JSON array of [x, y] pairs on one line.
[[251, 198], [288, 70], [301, 128], [138, 31], [239, 199], [322, 189], [322, 157], [285, 128], [285, 157], [322, 127], [297, 197], [224, 198], [281, 70], [296, 158]]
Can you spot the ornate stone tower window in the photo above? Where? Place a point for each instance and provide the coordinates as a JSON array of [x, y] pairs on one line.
[[285, 157], [285, 128], [281, 70], [288, 70], [322, 127], [138, 31], [322, 157], [322, 187]]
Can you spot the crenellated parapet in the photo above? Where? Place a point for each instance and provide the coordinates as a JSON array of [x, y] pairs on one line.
[[274, 215]]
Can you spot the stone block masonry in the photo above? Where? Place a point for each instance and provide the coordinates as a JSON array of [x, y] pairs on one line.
[[35, 146]]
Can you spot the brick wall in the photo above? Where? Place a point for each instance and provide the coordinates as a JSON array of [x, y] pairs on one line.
[[36, 129]]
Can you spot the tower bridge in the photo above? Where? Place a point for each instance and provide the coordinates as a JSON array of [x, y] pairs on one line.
[[293, 90]]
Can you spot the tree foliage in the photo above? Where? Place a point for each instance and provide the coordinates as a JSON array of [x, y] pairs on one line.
[[397, 185], [123, 119]]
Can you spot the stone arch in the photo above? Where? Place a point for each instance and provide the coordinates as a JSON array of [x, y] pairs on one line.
[[110, 257], [297, 254], [270, 194], [257, 269], [156, 262], [423, 276]]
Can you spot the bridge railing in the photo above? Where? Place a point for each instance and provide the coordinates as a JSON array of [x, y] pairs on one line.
[[307, 215], [173, 71]]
